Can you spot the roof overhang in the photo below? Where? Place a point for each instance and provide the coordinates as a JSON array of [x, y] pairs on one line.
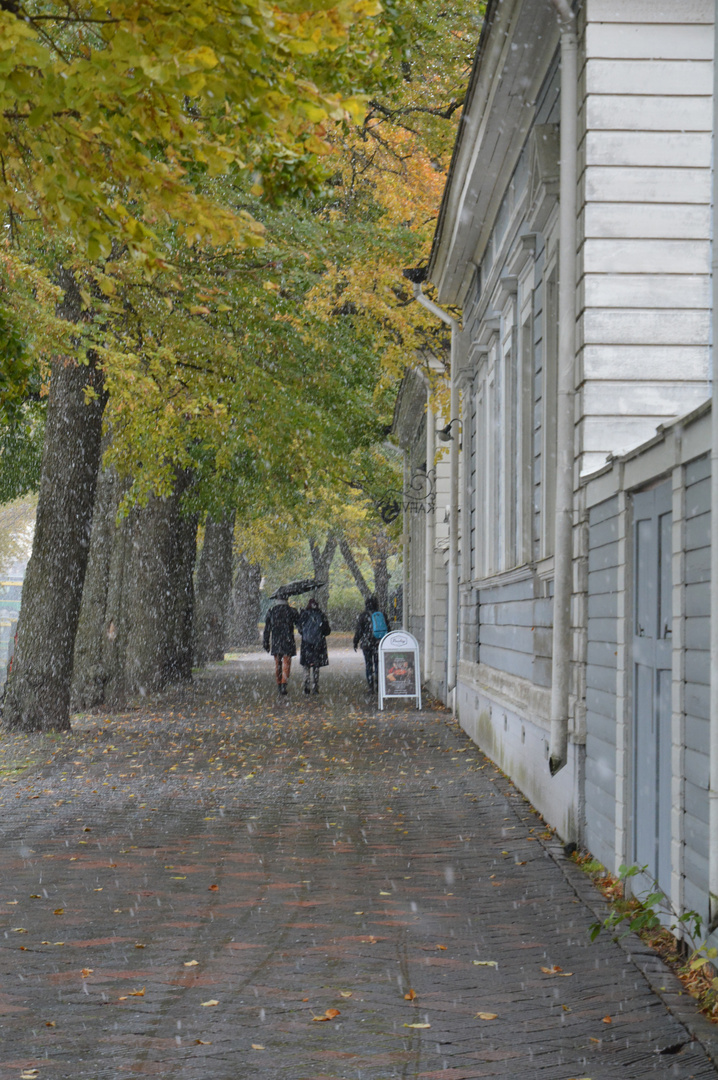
[[517, 45]]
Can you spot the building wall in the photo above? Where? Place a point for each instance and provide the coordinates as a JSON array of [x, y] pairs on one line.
[[644, 201], [601, 669], [679, 455]]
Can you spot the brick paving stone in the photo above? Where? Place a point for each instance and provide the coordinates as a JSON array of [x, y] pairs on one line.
[[283, 858]]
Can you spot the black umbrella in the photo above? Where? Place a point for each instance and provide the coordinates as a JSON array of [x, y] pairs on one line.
[[294, 588]]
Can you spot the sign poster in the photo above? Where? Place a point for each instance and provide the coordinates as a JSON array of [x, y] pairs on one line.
[[399, 672]]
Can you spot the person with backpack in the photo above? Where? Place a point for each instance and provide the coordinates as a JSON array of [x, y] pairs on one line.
[[314, 627], [371, 627]]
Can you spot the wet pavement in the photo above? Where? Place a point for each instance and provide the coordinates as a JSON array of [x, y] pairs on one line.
[[223, 884]]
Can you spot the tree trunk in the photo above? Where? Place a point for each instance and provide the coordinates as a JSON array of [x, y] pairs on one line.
[[379, 551], [157, 600], [214, 590], [184, 556], [89, 674], [322, 561], [38, 694], [246, 605], [353, 567], [117, 616], [381, 583]]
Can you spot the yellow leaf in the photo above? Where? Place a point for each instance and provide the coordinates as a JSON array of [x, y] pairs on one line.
[[328, 1015], [86, 971], [258, 1046], [410, 996], [486, 1016], [485, 963], [420, 1026], [345, 993], [201, 1042], [137, 993], [204, 56], [191, 963], [212, 1001]]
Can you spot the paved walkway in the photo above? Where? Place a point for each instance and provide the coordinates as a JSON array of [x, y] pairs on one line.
[[226, 885]]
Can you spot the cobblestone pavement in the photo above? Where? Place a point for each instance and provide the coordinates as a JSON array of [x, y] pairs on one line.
[[226, 885]]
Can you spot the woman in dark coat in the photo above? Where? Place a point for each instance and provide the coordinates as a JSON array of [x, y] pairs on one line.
[[279, 640], [314, 627]]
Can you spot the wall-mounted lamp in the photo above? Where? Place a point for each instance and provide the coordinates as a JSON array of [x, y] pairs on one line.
[[445, 434]]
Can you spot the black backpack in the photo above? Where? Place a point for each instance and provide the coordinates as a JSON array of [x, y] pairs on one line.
[[311, 628]]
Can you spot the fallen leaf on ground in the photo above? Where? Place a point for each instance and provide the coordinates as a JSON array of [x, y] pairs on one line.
[[384, 894], [417, 1025], [556, 970], [443, 947], [59, 911], [19, 930], [258, 1046], [191, 963], [29, 1074], [213, 888], [410, 996], [201, 1042], [212, 1001], [345, 993], [486, 1016], [328, 1015], [50, 1023], [140, 946], [86, 971], [607, 1020], [136, 993], [485, 963]]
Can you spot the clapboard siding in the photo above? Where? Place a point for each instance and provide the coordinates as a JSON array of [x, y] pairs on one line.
[[678, 78], [655, 12], [602, 636], [642, 256], [659, 221], [697, 680], [658, 362], [647, 149], [630, 41], [515, 630], [644, 191], [644, 112]]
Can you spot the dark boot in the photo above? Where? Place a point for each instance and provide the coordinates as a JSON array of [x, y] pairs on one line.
[[316, 680]]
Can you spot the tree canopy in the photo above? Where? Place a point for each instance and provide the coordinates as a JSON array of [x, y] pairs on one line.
[[234, 191]]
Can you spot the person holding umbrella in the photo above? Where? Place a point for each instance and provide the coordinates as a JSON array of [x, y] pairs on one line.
[[279, 628], [279, 639]]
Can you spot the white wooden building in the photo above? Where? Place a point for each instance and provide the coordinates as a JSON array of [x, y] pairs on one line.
[[575, 240]]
